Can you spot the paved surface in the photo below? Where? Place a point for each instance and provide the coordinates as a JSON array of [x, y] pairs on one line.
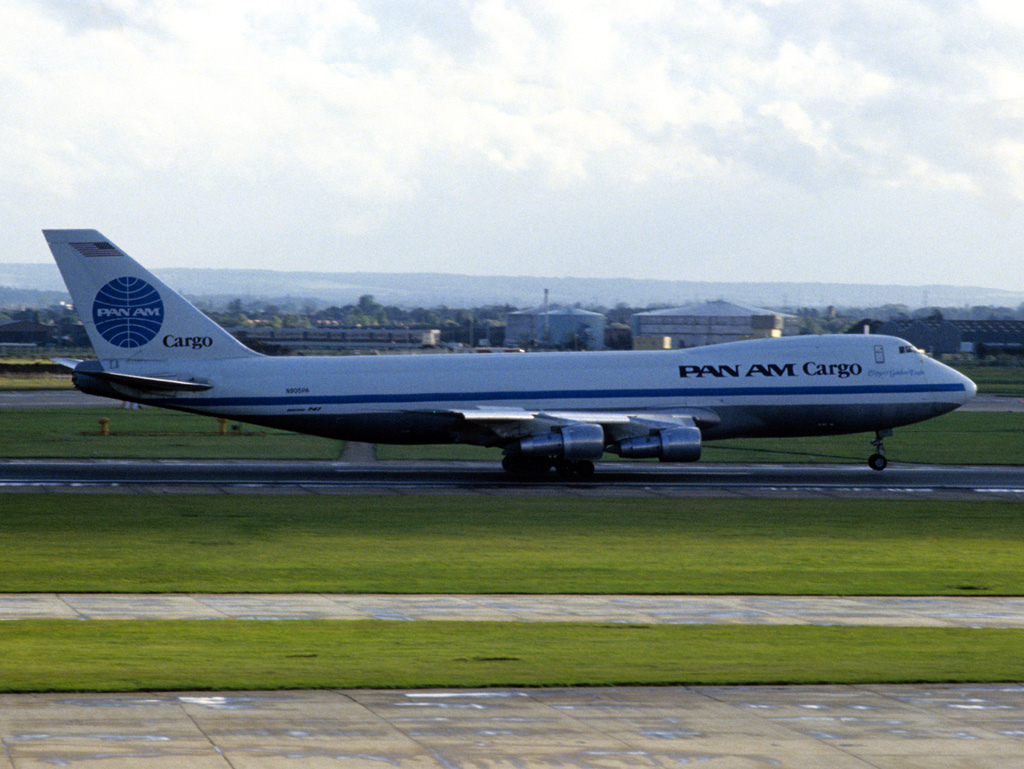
[[358, 453], [612, 478], [838, 727], [51, 399], [958, 611]]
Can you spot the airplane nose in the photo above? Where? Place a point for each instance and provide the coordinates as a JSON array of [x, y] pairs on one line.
[[961, 389], [970, 388]]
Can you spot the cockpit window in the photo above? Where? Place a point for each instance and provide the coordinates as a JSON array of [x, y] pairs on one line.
[[905, 348]]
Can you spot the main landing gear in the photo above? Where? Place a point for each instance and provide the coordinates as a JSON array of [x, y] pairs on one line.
[[877, 461], [523, 465]]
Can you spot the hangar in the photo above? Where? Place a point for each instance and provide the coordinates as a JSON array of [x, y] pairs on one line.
[[694, 325], [556, 326], [25, 333]]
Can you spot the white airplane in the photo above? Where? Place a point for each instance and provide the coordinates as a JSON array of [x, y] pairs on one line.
[[550, 410]]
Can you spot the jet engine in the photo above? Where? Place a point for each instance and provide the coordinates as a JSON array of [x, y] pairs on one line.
[[673, 444], [576, 441]]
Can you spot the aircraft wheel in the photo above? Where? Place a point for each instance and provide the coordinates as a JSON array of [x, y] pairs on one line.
[[565, 468], [580, 468], [877, 462], [584, 468], [514, 464], [538, 465], [519, 464]]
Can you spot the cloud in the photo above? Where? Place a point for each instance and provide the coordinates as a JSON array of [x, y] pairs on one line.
[[568, 88], [360, 115]]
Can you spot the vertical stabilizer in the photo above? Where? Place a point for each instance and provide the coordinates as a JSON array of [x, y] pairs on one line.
[[129, 313]]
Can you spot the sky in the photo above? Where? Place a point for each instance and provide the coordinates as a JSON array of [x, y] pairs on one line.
[[860, 141]]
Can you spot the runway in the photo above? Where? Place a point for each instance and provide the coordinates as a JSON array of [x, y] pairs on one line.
[[611, 479], [840, 727], [51, 399]]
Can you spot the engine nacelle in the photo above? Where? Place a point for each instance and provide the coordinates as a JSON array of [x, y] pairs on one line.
[[582, 441], [676, 444]]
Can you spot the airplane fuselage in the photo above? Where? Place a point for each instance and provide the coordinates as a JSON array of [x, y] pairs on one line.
[[544, 410], [792, 386]]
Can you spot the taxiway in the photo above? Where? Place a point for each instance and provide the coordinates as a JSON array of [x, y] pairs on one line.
[[611, 479], [840, 727], [848, 611]]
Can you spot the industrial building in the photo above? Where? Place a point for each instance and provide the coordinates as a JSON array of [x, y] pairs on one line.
[[340, 338], [698, 324], [943, 337], [25, 333], [554, 326]]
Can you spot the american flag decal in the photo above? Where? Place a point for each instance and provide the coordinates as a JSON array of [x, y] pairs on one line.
[[95, 249]]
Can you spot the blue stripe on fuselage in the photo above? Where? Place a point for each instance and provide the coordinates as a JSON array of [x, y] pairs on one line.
[[536, 395]]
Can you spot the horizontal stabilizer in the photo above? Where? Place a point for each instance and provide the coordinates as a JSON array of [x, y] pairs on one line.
[[147, 383]]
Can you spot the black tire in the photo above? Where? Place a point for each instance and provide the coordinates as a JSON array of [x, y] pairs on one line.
[[584, 468], [565, 468], [520, 464], [877, 462]]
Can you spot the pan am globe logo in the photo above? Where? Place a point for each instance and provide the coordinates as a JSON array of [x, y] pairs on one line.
[[128, 312]]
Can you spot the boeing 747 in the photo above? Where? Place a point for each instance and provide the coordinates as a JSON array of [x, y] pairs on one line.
[[559, 410]]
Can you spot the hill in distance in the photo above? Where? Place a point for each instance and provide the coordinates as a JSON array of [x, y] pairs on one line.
[[435, 289]]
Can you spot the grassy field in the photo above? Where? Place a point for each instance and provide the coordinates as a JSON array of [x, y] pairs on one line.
[[12, 383], [148, 433], [994, 380], [184, 655], [471, 544], [428, 544], [967, 437], [31, 373], [104, 543]]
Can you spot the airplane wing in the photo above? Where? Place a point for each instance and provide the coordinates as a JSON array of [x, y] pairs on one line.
[[610, 419]]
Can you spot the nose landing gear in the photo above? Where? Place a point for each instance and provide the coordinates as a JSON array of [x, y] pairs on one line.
[[877, 461]]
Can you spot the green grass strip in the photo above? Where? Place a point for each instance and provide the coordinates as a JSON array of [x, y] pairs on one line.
[[148, 433], [58, 655], [1002, 380], [961, 437], [17, 384], [471, 544]]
